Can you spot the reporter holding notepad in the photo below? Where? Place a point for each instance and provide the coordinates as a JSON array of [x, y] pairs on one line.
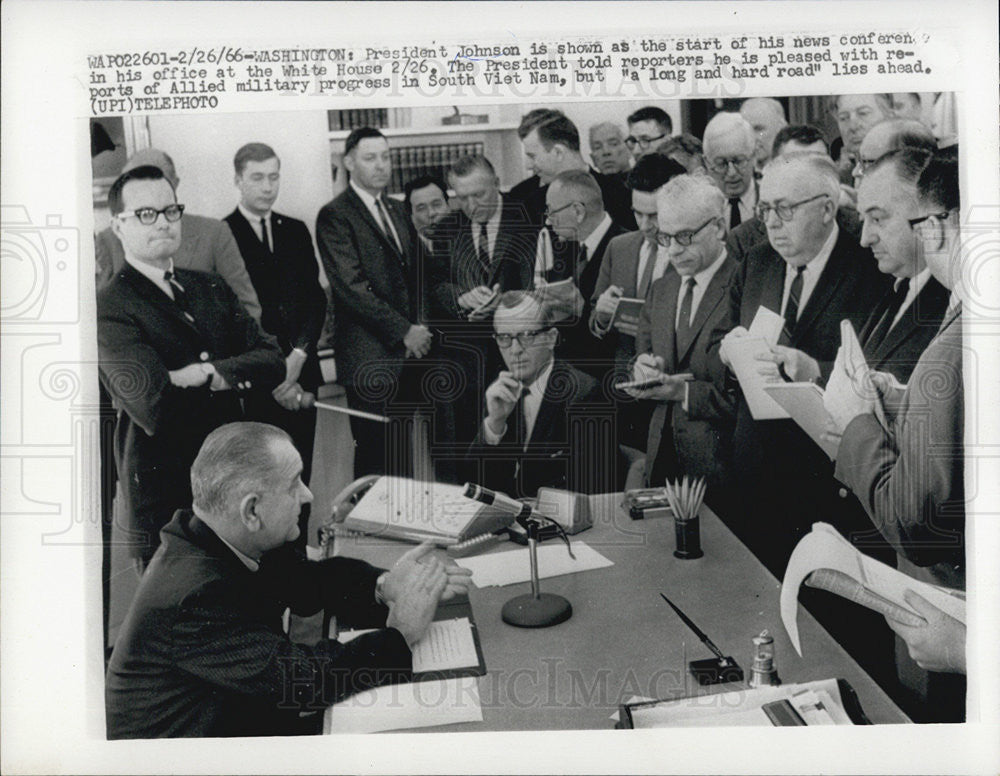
[[691, 427]]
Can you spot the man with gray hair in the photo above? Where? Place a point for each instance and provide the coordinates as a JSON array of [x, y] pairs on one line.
[[691, 428], [814, 275], [767, 116], [730, 144], [608, 151], [202, 651], [575, 214], [207, 244], [888, 136]]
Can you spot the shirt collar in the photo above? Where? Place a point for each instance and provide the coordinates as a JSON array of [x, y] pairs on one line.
[[595, 237], [493, 222], [818, 262], [918, 281], [703, 278], [749, 197], [537, 386], [154, 274], [367, 198], [253, 218], [245, 559]]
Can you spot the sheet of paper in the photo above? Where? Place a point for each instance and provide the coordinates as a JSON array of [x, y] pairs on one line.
[[507, 568], [448, 644], [743, 355], [804, 402], [767, 325], [407, 706], [823, 547]]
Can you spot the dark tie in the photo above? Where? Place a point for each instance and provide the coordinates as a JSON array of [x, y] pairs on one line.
[[384, 218], [484, 247], [734, 212], [180, 295], [581, 262], [516, 426], [792, 308], [884, 325], [647, 272], [263, 235], [684, 324]]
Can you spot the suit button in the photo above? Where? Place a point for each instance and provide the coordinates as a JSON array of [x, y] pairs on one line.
[[842, 492], [249, 384], [203, 355]]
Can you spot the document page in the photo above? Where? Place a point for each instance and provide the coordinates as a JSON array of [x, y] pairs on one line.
[[763, 334], [507, 568], [448, 644], [407, 706]]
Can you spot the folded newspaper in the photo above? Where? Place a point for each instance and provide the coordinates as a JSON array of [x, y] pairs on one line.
[[826, 560]]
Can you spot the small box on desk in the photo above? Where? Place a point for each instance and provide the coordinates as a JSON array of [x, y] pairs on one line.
[[643, 503]]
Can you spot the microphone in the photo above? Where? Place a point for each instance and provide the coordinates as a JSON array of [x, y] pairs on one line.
[[501, 501]]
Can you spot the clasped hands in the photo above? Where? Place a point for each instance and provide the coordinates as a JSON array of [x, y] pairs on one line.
[[649, 368], [289, 393], [415, 585], [417, 341], [195, 376]]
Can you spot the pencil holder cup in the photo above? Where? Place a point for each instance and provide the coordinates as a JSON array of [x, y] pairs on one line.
[[685, 497], [688, 533]]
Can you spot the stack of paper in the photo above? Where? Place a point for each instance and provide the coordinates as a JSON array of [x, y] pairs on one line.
[[404, 706], [507, 568]]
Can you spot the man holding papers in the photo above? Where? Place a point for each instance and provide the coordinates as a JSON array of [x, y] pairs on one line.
[[909, 474], [632, 263], [691, 428], [814, 276], [202, 651]]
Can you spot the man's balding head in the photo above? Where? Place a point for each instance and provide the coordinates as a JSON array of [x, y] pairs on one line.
[[888, 136], [766, 115]]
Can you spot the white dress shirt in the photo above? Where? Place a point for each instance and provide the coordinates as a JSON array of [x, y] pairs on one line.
[[917, 283], [370, 203], [492, 228], [701, 281], [543, 253], [530, 406], [255, 220], [810, 276]]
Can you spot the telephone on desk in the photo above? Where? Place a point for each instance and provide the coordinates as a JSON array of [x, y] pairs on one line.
[[402, 508]]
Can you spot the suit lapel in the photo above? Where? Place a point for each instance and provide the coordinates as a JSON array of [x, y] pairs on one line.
[[772, 284], [150, 293], [709, 301], [365, 215], [933, 297], [826, 287], [542, 430]]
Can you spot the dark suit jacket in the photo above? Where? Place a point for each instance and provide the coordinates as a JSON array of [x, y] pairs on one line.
[[572, 444], [142, 335], [577, 344], [911, 480], [784, 480], [287, 283], [456, 266], [702, 436], [899, 351], [202, 652], [752, 232], [376, 292], [617, 199], [206, 245]]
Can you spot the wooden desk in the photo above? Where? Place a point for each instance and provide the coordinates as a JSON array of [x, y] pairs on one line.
[[623, 640]]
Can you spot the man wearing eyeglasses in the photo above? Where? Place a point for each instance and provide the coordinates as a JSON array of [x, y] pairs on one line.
[[729, 143], [888, 136], [691, 428], [909, 472], [542, 415], [177, 353], [814, 275], [647, 128]]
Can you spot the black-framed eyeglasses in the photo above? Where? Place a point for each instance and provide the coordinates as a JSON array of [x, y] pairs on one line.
[[524, 338], [550, 213], [643, 142], [914, 222], [721, 165], [683, 239], [147, 215], [785, 210]]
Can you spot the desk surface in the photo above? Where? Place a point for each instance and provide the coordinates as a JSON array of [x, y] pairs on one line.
[[623, 640]]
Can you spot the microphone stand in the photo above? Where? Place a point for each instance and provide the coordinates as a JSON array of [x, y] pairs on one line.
[[537, 609]]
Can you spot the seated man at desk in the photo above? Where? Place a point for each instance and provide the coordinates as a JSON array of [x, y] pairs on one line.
[[202, 651], [547, 423]]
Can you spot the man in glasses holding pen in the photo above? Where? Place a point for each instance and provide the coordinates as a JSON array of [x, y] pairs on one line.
[[177, 352], [547, 423]]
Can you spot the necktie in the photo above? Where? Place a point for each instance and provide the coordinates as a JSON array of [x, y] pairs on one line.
[[792, 308], [647, 272], [734, 212], [180, 295], [581, 262], [884, 325], [263, 235], [384, 218], [484, 247], [516, 423], [684, 324]]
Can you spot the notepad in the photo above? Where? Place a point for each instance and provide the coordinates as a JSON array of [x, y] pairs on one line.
[[627, 313], [508, 568], [407, 706], [447, 645], [762, 335]]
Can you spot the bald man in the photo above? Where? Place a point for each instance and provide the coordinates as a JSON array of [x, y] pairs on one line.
[[767, 116], [207, 244], [888, 136]]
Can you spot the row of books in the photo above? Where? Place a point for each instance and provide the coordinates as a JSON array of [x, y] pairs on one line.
[[411, 162], [377, 118]]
